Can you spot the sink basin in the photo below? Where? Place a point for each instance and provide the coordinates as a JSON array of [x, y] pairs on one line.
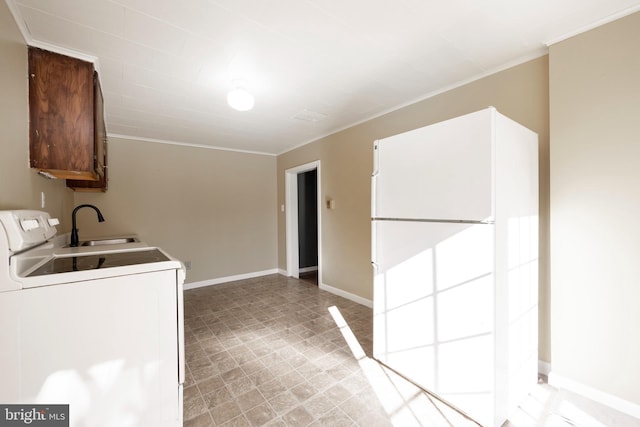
[[116, 241]]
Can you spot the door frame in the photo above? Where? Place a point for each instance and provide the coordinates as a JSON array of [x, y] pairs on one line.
[[291, 215]]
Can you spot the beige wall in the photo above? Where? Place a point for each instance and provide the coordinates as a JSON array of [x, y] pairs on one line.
[[520, 93], [595, 207], [21, 187], [214, 208]]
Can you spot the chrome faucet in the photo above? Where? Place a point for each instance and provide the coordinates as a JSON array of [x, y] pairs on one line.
[[74, 229]]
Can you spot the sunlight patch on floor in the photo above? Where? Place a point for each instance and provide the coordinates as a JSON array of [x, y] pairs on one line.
[[406, 404]]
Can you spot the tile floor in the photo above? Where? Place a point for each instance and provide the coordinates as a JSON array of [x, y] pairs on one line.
[[276, 351]]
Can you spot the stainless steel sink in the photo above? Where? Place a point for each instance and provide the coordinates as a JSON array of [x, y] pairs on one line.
[[115, 241]]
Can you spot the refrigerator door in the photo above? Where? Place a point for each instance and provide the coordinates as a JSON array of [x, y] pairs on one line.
[[442, 171], [433, 308]]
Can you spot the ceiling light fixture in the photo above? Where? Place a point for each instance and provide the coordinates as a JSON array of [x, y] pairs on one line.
[[239, 98]]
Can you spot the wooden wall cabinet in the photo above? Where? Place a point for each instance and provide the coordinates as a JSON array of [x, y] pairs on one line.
[[67, 131]]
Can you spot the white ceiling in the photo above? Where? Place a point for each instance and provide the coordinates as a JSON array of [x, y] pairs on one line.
[[166, 65]]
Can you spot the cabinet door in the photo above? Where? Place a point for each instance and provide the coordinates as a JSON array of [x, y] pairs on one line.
[[61, 115], [100, 138]]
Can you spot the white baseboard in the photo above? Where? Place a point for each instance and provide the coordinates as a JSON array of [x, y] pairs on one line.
[[220, 280], [308, 269], [596, 395], [544, 368], [347, 295], [282, 272]]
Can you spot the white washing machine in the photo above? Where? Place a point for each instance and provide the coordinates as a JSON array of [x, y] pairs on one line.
[[99, 328]]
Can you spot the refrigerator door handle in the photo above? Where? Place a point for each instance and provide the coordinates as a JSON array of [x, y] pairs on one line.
[[374, 178], [374, 255], [375, 157], [374, 190], [376, 268]]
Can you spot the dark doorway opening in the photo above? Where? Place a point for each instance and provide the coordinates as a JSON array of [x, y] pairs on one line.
[[308, 226]]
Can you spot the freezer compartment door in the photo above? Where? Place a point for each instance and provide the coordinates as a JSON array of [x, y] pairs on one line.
[[442, 171], [433, 308]]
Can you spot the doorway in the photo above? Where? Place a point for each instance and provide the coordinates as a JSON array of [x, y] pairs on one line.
[[308, 226], [303, 221]]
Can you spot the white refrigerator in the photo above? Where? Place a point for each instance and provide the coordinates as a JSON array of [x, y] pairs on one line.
[[455, 257]]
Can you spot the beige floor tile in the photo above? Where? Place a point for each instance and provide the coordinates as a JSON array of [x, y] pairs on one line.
[[291, 378], [250, 399], [210, 384], [194, 407], [337, 394], [304, 391], [319, 405], [240, 386], [271, 388], [260, 415], [283, 402], [218, 397], [202, 420], [334, 418], [225, 412], [191, 392], [298, 416], [239, 421]]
